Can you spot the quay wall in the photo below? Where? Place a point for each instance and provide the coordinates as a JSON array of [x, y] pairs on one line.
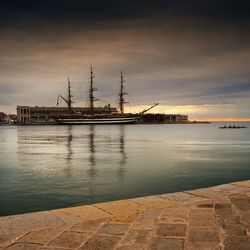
[[208, 218]]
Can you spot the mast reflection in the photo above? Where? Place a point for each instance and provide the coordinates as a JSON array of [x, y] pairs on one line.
[[69, 144], [69, 156], [123, 160], [92, 158], [93, 161]]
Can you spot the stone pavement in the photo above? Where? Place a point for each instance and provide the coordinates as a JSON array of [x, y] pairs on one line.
[[210, 219]]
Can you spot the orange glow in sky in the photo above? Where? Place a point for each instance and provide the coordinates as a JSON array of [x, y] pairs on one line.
[[190, 110]]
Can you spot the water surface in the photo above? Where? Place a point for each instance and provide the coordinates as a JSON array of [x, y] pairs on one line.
[[47, 167]]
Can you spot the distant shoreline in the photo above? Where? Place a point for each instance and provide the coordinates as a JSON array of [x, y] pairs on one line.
[[140, 123]]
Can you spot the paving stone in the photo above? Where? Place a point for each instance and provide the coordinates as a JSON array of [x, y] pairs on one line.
[[245, 217], [208, 204], [177, 215], [222, 199], [234, 229], [29, 222], [113, 229], [224, 209], [1, 232], [88, 226], [203, 246], [232, 188], [203, 235], [226, 214], [242, 183], [122, 211], [233, 220], [240, 201], [143, 223], [8, 239], [54, 248], [206, 193], [86, 213], [70, 239], [98, 242], [24, 246], [41, 236], [166, 244], [153, 214], [136, 237], [247, 227], [171, 230], [182, 197], [168, 219], [134, 247], [202, 217], [177, 210], [154, 202], [69, 219], [240, 242]]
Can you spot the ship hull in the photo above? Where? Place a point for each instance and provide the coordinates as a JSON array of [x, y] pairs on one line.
[[86, 121]]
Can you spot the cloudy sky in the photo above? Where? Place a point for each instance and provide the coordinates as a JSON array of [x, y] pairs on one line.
[[193, 57]]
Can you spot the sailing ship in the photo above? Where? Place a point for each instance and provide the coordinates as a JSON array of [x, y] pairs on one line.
[[94, 118]]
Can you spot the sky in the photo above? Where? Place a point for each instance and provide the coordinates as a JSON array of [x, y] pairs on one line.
[[193, 57]]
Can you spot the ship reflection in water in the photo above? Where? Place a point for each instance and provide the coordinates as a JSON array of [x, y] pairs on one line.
[[71, 163], [86, 149], [47, 167], [92, 159]]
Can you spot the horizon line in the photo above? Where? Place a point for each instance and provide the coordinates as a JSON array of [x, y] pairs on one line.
[[227, 119]]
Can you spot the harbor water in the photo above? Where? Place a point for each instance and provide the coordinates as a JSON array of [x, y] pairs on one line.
[[48, 167]]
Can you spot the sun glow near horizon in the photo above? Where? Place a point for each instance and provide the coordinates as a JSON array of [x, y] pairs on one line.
[[192, 111], [168, 109], [230, 119]]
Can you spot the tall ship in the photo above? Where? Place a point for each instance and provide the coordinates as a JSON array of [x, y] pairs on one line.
[[93, 117]]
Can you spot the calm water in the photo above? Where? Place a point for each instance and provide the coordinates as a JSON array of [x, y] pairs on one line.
[[46, 167]]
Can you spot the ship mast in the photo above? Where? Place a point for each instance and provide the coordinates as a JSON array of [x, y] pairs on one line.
[[69, 95], [121, 95], [91, 91], [69, 100]]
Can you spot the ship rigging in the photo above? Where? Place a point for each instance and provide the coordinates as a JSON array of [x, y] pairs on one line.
[[93, 118]]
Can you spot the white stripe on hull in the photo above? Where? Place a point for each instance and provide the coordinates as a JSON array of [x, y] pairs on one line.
[[98, 121]]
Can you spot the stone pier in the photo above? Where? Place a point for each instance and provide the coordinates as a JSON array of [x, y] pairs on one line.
[[204, 219]]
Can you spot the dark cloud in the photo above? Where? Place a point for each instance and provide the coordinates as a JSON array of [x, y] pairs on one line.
[[94, 10], [175, 52], [231, 90]]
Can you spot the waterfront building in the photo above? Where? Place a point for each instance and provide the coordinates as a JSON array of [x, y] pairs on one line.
[[7, 118], [164, 118], [2, 116], [48, 115], [175, 118]]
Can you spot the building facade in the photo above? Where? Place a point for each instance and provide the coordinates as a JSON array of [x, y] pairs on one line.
[[164, 118], [7, 118], [48, 115], [2, 116], [175, 118]]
